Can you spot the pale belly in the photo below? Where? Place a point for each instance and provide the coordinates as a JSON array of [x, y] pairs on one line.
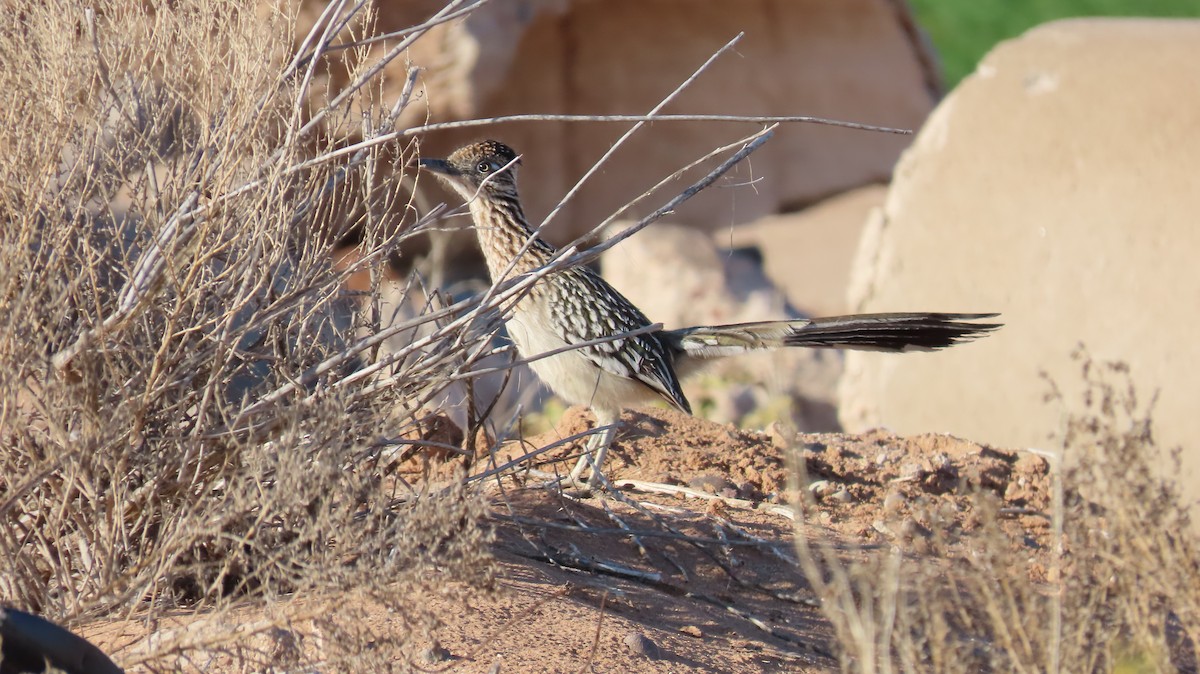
[[570, 375]]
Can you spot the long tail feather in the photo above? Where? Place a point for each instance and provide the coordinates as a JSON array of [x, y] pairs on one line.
[[866, 332]]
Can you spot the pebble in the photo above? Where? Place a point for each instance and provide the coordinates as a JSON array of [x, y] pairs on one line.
[[642, 645], [712, 484], [840, 496], [749, 490], [779, 437], [691, 631], [909, 529], [893, 501], [911, 471], [717, 508], [435, 653], [882, 528]]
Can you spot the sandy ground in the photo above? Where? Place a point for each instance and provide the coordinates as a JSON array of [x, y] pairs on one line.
[[701, 577]]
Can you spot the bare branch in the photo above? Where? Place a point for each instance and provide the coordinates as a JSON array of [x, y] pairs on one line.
[[632, 130]]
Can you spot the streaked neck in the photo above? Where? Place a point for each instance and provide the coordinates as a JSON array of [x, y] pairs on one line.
[[503, 236]]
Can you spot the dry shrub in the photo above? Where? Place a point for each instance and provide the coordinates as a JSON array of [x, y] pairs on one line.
[[1113, 584], [181, 422]]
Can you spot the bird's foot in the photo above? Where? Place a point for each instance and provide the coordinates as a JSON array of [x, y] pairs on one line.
[[576, 487], [581, 489]]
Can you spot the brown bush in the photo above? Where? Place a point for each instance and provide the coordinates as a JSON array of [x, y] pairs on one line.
[[181, 422]]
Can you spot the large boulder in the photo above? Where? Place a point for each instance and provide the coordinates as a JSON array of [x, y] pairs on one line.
[[856, 60], [1060, 185]]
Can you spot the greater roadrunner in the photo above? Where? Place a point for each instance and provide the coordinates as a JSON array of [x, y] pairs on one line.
[[575, 305]]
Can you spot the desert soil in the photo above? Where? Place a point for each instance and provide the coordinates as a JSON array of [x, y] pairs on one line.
[[701, 576]]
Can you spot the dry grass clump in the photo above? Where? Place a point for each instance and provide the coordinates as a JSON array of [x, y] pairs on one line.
[[1113, 584], [185, 418]]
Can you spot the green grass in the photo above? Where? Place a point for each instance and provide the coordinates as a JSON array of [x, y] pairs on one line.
[[963, 31]]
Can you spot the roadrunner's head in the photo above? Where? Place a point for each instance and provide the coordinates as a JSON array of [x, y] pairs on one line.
[[487, 169]]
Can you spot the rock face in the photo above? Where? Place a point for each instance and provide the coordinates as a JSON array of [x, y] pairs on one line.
[[1060, 185], [854, 60], [810, 253]]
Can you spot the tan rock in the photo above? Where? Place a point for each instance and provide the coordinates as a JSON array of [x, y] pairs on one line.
[[809, 253], [1060, 185]]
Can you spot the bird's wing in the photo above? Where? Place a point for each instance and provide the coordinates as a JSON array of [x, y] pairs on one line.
[[592, 309]]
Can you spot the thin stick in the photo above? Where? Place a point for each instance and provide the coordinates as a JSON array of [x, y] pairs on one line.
[[625, 119], [446, 18], [596, 637], [621, 236], [530, 455], [417, 32], [745, 119], [755, 141], [632, 130], [644, 533], [578, 562], [653, 327]]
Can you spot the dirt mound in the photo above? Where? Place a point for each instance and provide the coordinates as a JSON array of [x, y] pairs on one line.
[[856, 479], [689, 565]]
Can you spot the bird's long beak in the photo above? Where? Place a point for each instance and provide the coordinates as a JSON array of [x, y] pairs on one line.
[[437, 166]]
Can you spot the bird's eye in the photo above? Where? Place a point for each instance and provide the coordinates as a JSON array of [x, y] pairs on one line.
[[484, 167]]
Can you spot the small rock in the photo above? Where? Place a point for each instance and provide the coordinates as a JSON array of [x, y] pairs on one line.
[[878, 525], [286, 645], [749, 491], [712, 484], [642, 645], [780, 438], [893, 501], [435, 653], [911, 529], [820, 488], [717, 508], [840, 496], [691, 631], [911, 471], [825, 491]]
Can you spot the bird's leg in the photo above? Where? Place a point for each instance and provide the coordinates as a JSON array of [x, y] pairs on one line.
[[595, 451]]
